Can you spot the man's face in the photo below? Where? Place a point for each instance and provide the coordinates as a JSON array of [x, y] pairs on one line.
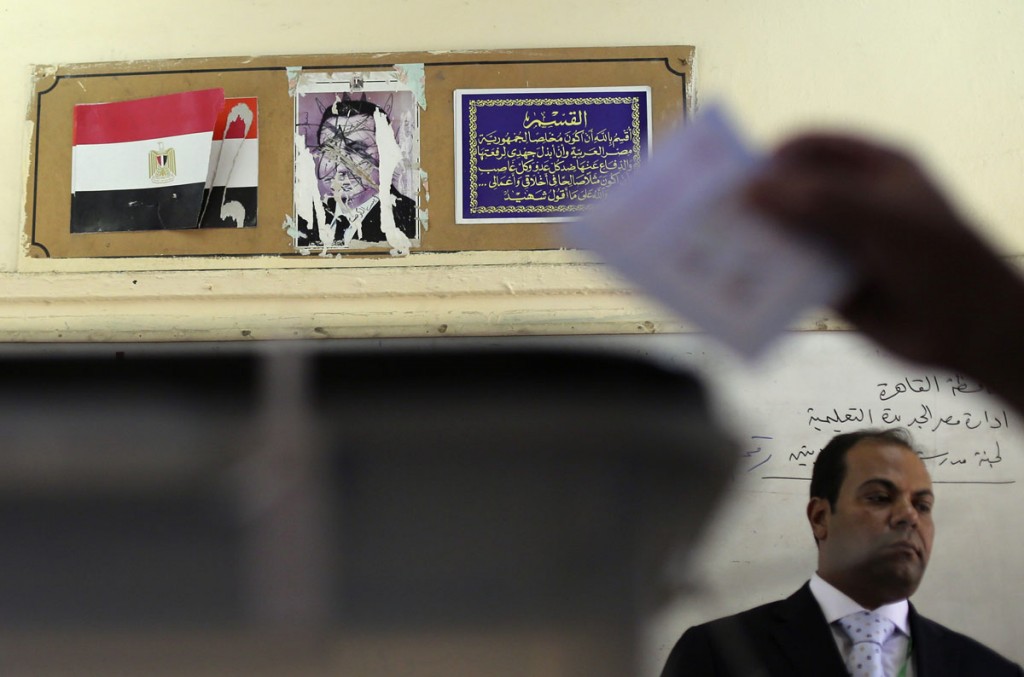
[[875, 545], [349, 159]]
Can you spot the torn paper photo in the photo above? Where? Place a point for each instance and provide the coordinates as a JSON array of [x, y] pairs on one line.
[[357, 162], [230, 198], [681, 230], [161, 162]]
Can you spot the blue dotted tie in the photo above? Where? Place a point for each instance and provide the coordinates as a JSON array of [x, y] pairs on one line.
[[868, 631]]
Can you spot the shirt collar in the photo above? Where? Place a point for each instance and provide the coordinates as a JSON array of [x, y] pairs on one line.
[[835, 605]]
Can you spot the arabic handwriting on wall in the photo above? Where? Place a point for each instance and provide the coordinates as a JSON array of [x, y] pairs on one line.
[[758, 456], [985, 457], [754, 454], [957, 385], [833, 418], [914, 417], [803, 456], [960, 428]]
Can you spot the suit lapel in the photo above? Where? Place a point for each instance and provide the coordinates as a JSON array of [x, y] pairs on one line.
[[926, 640], [803, 634]]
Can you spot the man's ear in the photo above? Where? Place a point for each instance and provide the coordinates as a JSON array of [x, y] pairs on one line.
[[818, 513]]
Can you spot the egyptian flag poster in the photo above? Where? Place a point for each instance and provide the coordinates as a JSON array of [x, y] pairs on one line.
[[152, 164]]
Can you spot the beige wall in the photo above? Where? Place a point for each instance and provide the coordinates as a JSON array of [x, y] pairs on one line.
[[941, 76]]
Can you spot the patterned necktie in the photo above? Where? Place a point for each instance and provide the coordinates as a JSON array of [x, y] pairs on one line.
[[868, 631]]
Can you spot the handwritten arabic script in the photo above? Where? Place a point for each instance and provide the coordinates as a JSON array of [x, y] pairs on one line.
[[962, 433], [541, 155]]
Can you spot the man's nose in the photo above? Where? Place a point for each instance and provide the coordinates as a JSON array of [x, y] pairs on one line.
[[904, 514]]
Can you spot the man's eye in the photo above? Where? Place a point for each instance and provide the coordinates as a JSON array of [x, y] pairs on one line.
[[923, 507], [878, 498]]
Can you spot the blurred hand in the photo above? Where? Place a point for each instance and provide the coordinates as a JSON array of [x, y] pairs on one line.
[[927, 287]]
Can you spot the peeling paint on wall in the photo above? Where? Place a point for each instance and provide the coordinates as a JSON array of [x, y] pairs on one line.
[[26, 164], [289, 226], [390, 155], [425, 183], [307, 196], [413, 76], [292, 73], [691, 87], [228, 154]]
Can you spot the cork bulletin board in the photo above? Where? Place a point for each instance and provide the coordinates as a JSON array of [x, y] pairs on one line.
[[550, 130]]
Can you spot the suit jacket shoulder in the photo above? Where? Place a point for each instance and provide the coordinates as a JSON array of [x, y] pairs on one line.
[[788, 638], [791, 638], [941, 652], [404, 209]]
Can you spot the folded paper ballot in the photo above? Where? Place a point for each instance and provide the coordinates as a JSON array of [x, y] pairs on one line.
[[681, 229]]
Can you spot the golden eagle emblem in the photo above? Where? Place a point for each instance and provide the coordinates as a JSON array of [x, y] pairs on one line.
[[162, 167]]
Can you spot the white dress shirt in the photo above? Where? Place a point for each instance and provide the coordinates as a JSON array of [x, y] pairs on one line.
[[836, 605]]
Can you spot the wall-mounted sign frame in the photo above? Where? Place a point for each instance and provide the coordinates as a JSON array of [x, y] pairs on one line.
[[544, 155], [306, 105], [243, 271]]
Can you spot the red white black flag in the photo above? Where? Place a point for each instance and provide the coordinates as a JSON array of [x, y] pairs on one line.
[[142, 164], [230, 198]]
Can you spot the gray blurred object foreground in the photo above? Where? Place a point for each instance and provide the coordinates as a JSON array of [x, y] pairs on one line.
[[302, 509]]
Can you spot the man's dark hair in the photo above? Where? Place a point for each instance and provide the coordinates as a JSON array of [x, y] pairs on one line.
[[348, 107], [830, 466]]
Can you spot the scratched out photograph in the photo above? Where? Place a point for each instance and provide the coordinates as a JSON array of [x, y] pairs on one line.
[[357, 150]]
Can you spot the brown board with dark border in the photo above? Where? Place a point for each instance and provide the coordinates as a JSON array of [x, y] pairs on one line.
[[666, 71]]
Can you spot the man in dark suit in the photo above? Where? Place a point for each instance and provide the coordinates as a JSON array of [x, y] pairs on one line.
[[870, 514], [370, 230]]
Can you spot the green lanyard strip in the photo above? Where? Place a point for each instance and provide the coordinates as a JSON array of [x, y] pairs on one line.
[[906, 661]]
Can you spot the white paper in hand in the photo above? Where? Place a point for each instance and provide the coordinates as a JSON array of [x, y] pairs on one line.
[[681, 230]]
